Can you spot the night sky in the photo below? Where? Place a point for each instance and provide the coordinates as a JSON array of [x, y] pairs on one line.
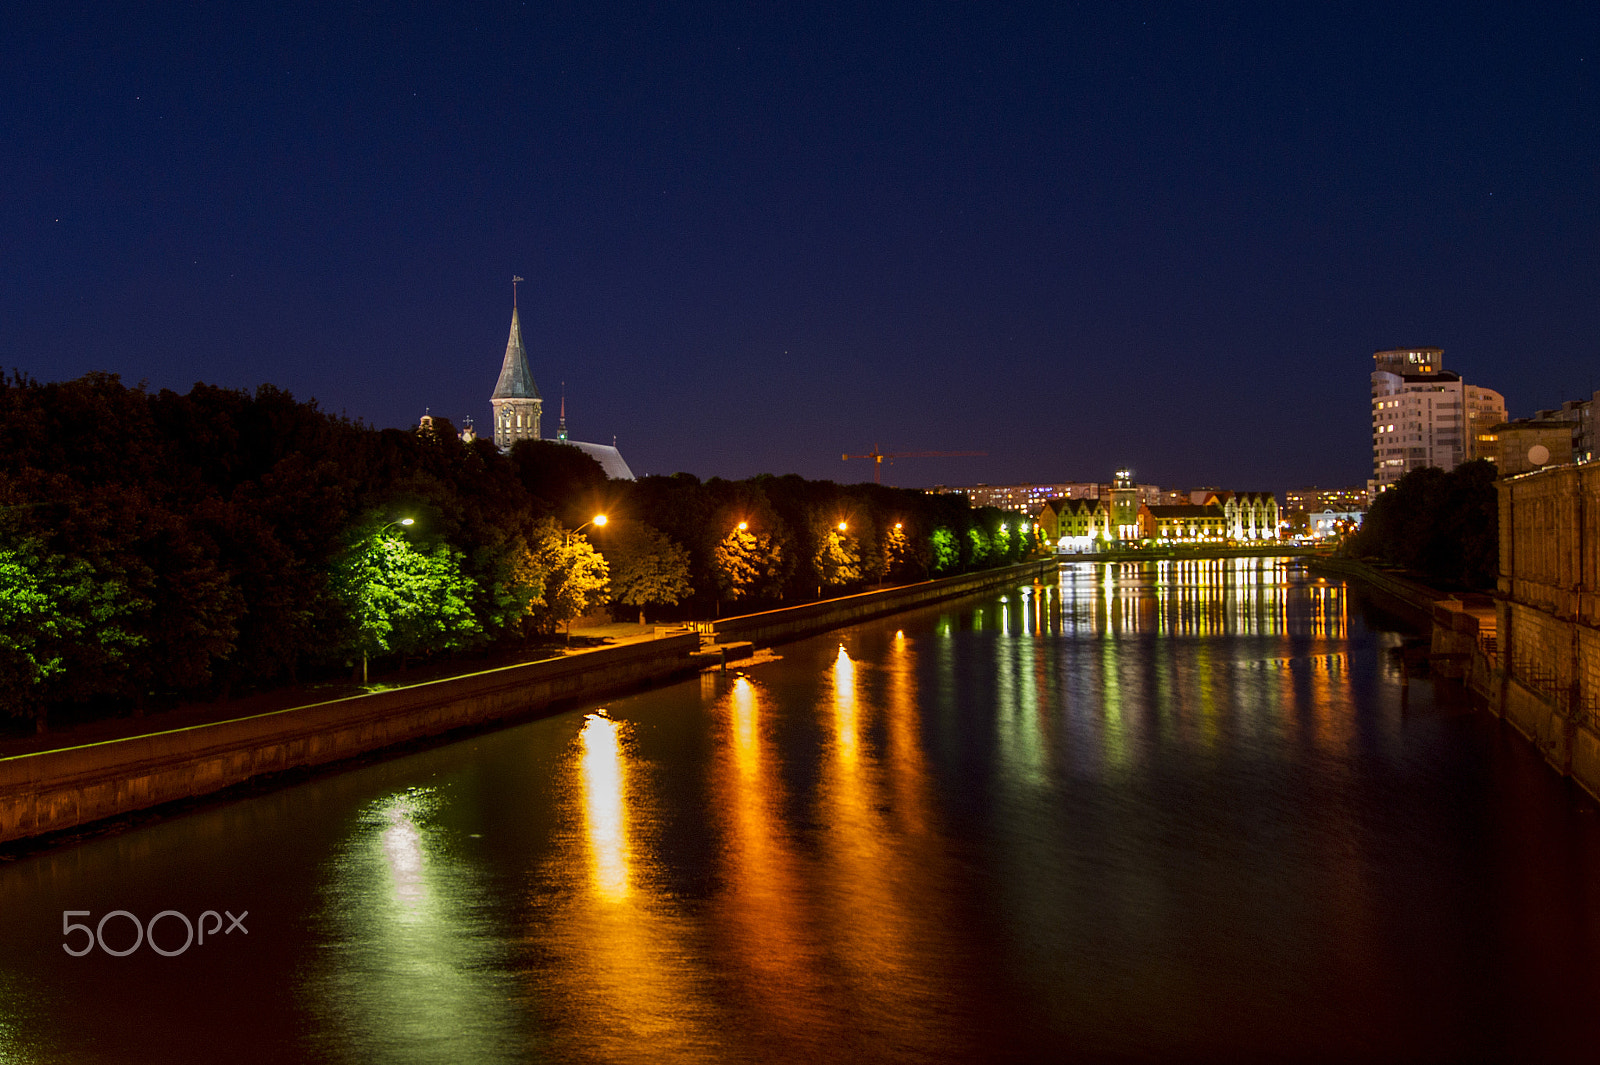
[[756, 236]]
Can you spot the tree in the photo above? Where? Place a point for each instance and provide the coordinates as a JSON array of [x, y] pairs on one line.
[[1443, 525], [746, 563], [403, 600], [562, 480], [946, 556], [897, 556], [572, 572], [64, 630], [837, 560], [646, 567]]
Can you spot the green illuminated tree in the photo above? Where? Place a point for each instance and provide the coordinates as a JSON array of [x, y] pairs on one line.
[[403, 600], [65, 632], [977, 548], [946, 556]]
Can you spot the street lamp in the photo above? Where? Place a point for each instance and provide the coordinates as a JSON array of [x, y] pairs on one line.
[[598, 521], [381, 531]]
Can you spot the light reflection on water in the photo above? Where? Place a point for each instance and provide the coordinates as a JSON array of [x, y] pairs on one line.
[[1150, 811]]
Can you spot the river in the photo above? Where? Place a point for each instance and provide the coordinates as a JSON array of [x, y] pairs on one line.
[[1180, 811]]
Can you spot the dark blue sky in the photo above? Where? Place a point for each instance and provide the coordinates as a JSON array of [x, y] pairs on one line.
[[756, 236]]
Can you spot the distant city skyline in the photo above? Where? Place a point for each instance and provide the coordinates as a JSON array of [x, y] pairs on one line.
[[756, 239]]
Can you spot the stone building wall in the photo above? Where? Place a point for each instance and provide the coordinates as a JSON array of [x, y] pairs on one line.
[[1548, 614]]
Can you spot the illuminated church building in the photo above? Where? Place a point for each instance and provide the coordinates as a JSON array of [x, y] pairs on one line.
[[518, 408]]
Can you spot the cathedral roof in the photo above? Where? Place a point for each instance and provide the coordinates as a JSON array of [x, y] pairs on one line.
[[516, 380], [609, 458]]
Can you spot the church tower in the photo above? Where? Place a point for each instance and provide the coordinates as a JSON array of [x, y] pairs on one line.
[[516, 399], [1125, 506]]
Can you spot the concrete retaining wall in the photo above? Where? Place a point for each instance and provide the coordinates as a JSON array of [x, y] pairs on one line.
[[794, 622], [51, 791], [54, 790]]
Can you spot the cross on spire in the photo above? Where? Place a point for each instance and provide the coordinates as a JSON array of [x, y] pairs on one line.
[[514, 280]]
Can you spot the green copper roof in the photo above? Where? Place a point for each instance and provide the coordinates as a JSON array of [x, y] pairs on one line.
[[516, 380]]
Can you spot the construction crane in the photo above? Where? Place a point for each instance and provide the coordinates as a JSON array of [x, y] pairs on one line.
[[877, 456]]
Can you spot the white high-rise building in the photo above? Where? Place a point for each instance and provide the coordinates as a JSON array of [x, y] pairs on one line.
[[1423, 415]]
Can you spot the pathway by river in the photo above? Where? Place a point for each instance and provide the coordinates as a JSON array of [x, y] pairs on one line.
[[1159, 811]]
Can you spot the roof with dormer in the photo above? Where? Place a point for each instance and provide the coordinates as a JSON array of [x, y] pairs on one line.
[[516, 380]]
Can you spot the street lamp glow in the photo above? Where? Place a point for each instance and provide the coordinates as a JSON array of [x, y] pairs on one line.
[[897, 525], [743, 525], [599, 519], [842, 526]]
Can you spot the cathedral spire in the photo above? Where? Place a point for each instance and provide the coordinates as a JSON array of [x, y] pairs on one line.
[[561, 426], [516, 380], [515, 399]]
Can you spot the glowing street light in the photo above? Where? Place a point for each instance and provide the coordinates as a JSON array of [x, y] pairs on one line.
[[743, 526], [598, 521], [379, 536]]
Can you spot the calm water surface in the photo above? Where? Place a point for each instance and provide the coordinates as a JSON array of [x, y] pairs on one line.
[[1160, 812]]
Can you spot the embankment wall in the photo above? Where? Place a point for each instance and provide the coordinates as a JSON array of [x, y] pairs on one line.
[[51, 791], [57, 790]]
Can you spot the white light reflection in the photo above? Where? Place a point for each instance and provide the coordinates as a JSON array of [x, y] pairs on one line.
[[408, 972]]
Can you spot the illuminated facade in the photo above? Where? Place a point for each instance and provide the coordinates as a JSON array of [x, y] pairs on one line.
[[1322, 524], [1424, 415], [1125, 505], [1188, 524], [1206, 516], [1079, 524], [1305, 500], [1249, 515]]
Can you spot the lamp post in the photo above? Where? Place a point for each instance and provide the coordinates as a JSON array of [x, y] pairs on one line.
[[716, 591], [599, 522], [381, 531]]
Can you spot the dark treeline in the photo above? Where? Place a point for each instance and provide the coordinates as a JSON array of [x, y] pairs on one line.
[[171, 547], [1442, 525]]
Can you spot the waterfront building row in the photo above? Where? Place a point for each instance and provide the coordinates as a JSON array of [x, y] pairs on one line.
[[1215, 517]]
